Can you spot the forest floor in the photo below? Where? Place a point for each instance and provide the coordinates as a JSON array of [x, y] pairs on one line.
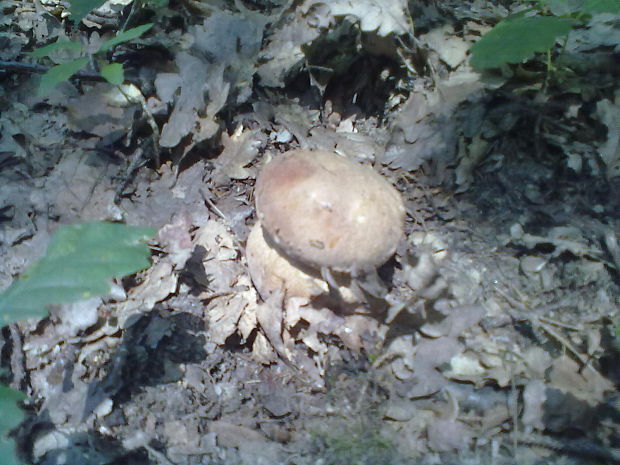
[[494, 340]]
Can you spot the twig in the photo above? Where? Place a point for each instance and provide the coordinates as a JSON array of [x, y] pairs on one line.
[[160, 457], [139, 98], [211, 205], [561, 339]]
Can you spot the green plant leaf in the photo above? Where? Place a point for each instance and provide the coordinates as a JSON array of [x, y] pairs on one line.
[[79, 262], [125, 36], [601, 6], [113, 73], [60, 73], [11, 417], [47, 50], [80, 8], [516, 40], [157, 3]]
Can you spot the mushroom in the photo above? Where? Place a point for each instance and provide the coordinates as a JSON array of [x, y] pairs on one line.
[[271, 271], [320, 213]]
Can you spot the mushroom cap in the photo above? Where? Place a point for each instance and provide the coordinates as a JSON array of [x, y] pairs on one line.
[[328, 211]]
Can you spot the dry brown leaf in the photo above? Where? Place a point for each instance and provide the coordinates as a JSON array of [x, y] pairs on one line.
[[262, 351], [534, 398], [224, 314], [176, 239], [585, 384], [450, 48], [217, 240], [239, 150], [192, 77], [104, 111], [269, 315], [445, 435], [159, 282]]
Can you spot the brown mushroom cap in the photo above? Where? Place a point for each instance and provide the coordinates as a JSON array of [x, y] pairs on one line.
[[327, 211]]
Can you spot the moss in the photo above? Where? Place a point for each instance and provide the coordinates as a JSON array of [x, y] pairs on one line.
[[357, 443]]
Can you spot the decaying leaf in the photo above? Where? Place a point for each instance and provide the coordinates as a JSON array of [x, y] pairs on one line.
[[239, 150], [158, 284], [176, 239], [192, 81], [533, 404], [450, 48], [375, 16], [609, 113], [587, 384], [104, 111]]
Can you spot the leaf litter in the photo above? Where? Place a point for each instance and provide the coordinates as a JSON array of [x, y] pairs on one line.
[[491, 342]]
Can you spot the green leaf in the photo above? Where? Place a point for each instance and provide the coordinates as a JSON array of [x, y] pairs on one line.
[[47, 50], [60, 73], [516, 40], [125, 36], [80, 8], [601, 6], [11, 417], [113, 73], [79, 262]]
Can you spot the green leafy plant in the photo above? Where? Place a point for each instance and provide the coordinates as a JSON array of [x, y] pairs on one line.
[[11, 416], [112, 72], [80, 8], [78, 264], [519, 37]]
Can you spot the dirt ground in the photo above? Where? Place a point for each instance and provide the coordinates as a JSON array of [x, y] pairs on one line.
[[493, 339]]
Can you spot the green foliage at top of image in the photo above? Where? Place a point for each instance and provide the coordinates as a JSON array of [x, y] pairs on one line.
[[515, 40], [518, 37], [10, 418], [80, 8], [60, 73], [79, 263]]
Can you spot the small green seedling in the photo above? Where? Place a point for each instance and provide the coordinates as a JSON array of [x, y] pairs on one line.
[[80, 8], [111, 72]]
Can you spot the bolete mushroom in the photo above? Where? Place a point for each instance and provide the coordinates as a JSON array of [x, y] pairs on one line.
[[319, 211], [327, 211]]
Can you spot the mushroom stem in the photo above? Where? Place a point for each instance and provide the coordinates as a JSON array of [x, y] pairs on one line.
[[332, 285]]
